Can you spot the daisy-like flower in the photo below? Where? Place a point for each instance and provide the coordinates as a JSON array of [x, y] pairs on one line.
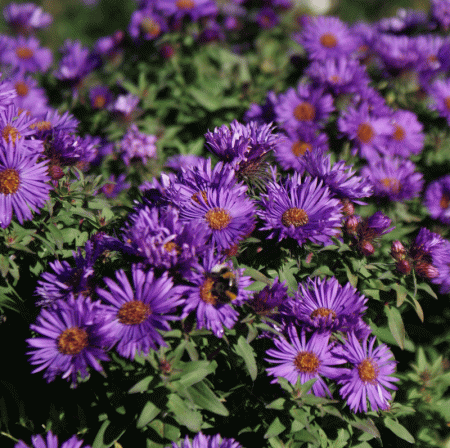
[[51, 441], [270, 297], [75, 337], [262, 114], [439, 92], [23, 183], [394, 178], [194, 9], [26, 17], [186, 161], [138, 312], [443, 267], [429, 46], [369, 377], [147, 24], [440, 11], [325, 305], [300, 210], [437, 199], [30, 98], [396, 52], [304, 106], [204, 441], [304, 360], [7, 94], [326, 38], [100, 97], [137, 145], [405, 19], [228, 213], [216, 286]]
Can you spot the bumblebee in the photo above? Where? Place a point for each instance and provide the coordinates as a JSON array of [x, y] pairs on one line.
[[225, 286]]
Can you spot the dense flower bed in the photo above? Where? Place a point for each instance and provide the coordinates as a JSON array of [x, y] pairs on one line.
[[227, 226]]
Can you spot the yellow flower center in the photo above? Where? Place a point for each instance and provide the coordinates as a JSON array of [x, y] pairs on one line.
[[24, 52], [445, 201], [10, 131], [206, 292], [299, 148], [134, 312], [72, 341], [9, 181], [399, 133], [294, 217], [171, 247], [328, 40], [447, 102], [307, 362], [218, 218], [391, 184], [305, 111], [368, 370], [41, 126], [335, 79], [365, 132], [323, 312], [150, 27], [185, 4], [99, 101], [21, 89]]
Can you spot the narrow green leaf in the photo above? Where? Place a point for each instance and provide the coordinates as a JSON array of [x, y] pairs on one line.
[[205, 398], [427, 288], [245, 351], [183, 414], [98, 441], [149, 412], [277, 404], [401, 293], [352, 278], [275, 428], [141, 386], [4, 265], [398, 430], [396, 326], [366, 426], [418, 308]]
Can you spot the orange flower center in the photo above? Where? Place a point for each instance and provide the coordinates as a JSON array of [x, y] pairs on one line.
[[9, 181], [391, 184], [10, 131], [328, 40], [150, 27], [447, 102], [218, 218], [368, 370], [195, 198], [41, 126], [24, 52], [134, 312], [72, 341], [294, 217], [399, 133], [307, 362], [21, 89], [365, 132], [206, 291], [323, 312], [185, 4], [99, 102], [445, 201], [335, 79], [299, 148], [305, 112], [171, 247]]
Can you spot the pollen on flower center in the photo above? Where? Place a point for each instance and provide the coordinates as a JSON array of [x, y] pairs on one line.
[[218, 218], [299, 148], [335, 79], [368, 370], [306, 362], [206, 291], [171, 247], [10, 131], [134, 312], [399, 133], [328, 40], [447, 102], [323, 312], [391, 184], [99, 102], [24, 52], [72, 341], [445, 201], [41, 126], [365, 132], [185, 4], [305, 111], [294, 217], [9, 181], [21, 88], [195, 198], [151, 27]]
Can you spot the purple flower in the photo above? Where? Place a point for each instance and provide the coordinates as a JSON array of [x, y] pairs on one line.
[[7, 94], [375, 226], [429, 47], [439, 92], [51, 122], [397, 52], [303, 106], [136, 145], [369, 377], [300, 210], [270, 297], [264, 114], [194, 9], [267, 18], [125, 105], [443, 267], [100, 97], [326, 38], [67, 149], [325, 305], [23, 183], [76, 337], [147, 24], [301, 360], [394, 178], [26, 17], [183, 161], [405, 19], [115, 186], [440, 11], [203, 441], [437, 199], [51, 441], [30, 98], [138, 313]]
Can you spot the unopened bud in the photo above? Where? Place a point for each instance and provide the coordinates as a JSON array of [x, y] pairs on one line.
[[426, 270], [403, 266], [55, 172], [347, 207], [398, 251], [351, 224], [366, 248]]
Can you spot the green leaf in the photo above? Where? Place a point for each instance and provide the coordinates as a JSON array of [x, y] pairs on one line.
[[396, 325], [275, 428], [277, 404], [427, 288], [4, 265], [141, 386], [245, 351], [401, 291], [183, 414], [205, 398], [398, 430], [352, 278], [194, 372], [366, 426], [418, 308], [149, 412]]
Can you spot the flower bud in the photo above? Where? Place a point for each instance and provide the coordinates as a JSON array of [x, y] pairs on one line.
[[55, 172], [398, 251], [366, 248], [426, 270], [351, 224], [403, 266], [347, 207]]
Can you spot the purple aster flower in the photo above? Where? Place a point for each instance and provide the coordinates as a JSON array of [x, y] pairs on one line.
[[428, 47], [194, 9], [369, 377], [147, 24], [439, 92], [369, 132], [300, 210], [76, 336], [51, 122], [136, 145], [228, 213], [405, 19], [25, 54], [394, 178], [265, 113], [138, 312], [440, 11], [211, 32], [26, 17], [51, 441], [437, 199], [211, 298], [109, 47], [125, 105], [325, 305], [443, 267], [30, 98], [397, 52], [290, 151], [303, 106], [204, 441], [7, 94], [375, 226], [339, 178], [267, 18], [115, 185], [302, 360], [183, 161], [270, 297], [100, 97], [23, 183], [326, 38]]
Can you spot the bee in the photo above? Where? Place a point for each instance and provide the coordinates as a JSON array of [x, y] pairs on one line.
[[225, 286]]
